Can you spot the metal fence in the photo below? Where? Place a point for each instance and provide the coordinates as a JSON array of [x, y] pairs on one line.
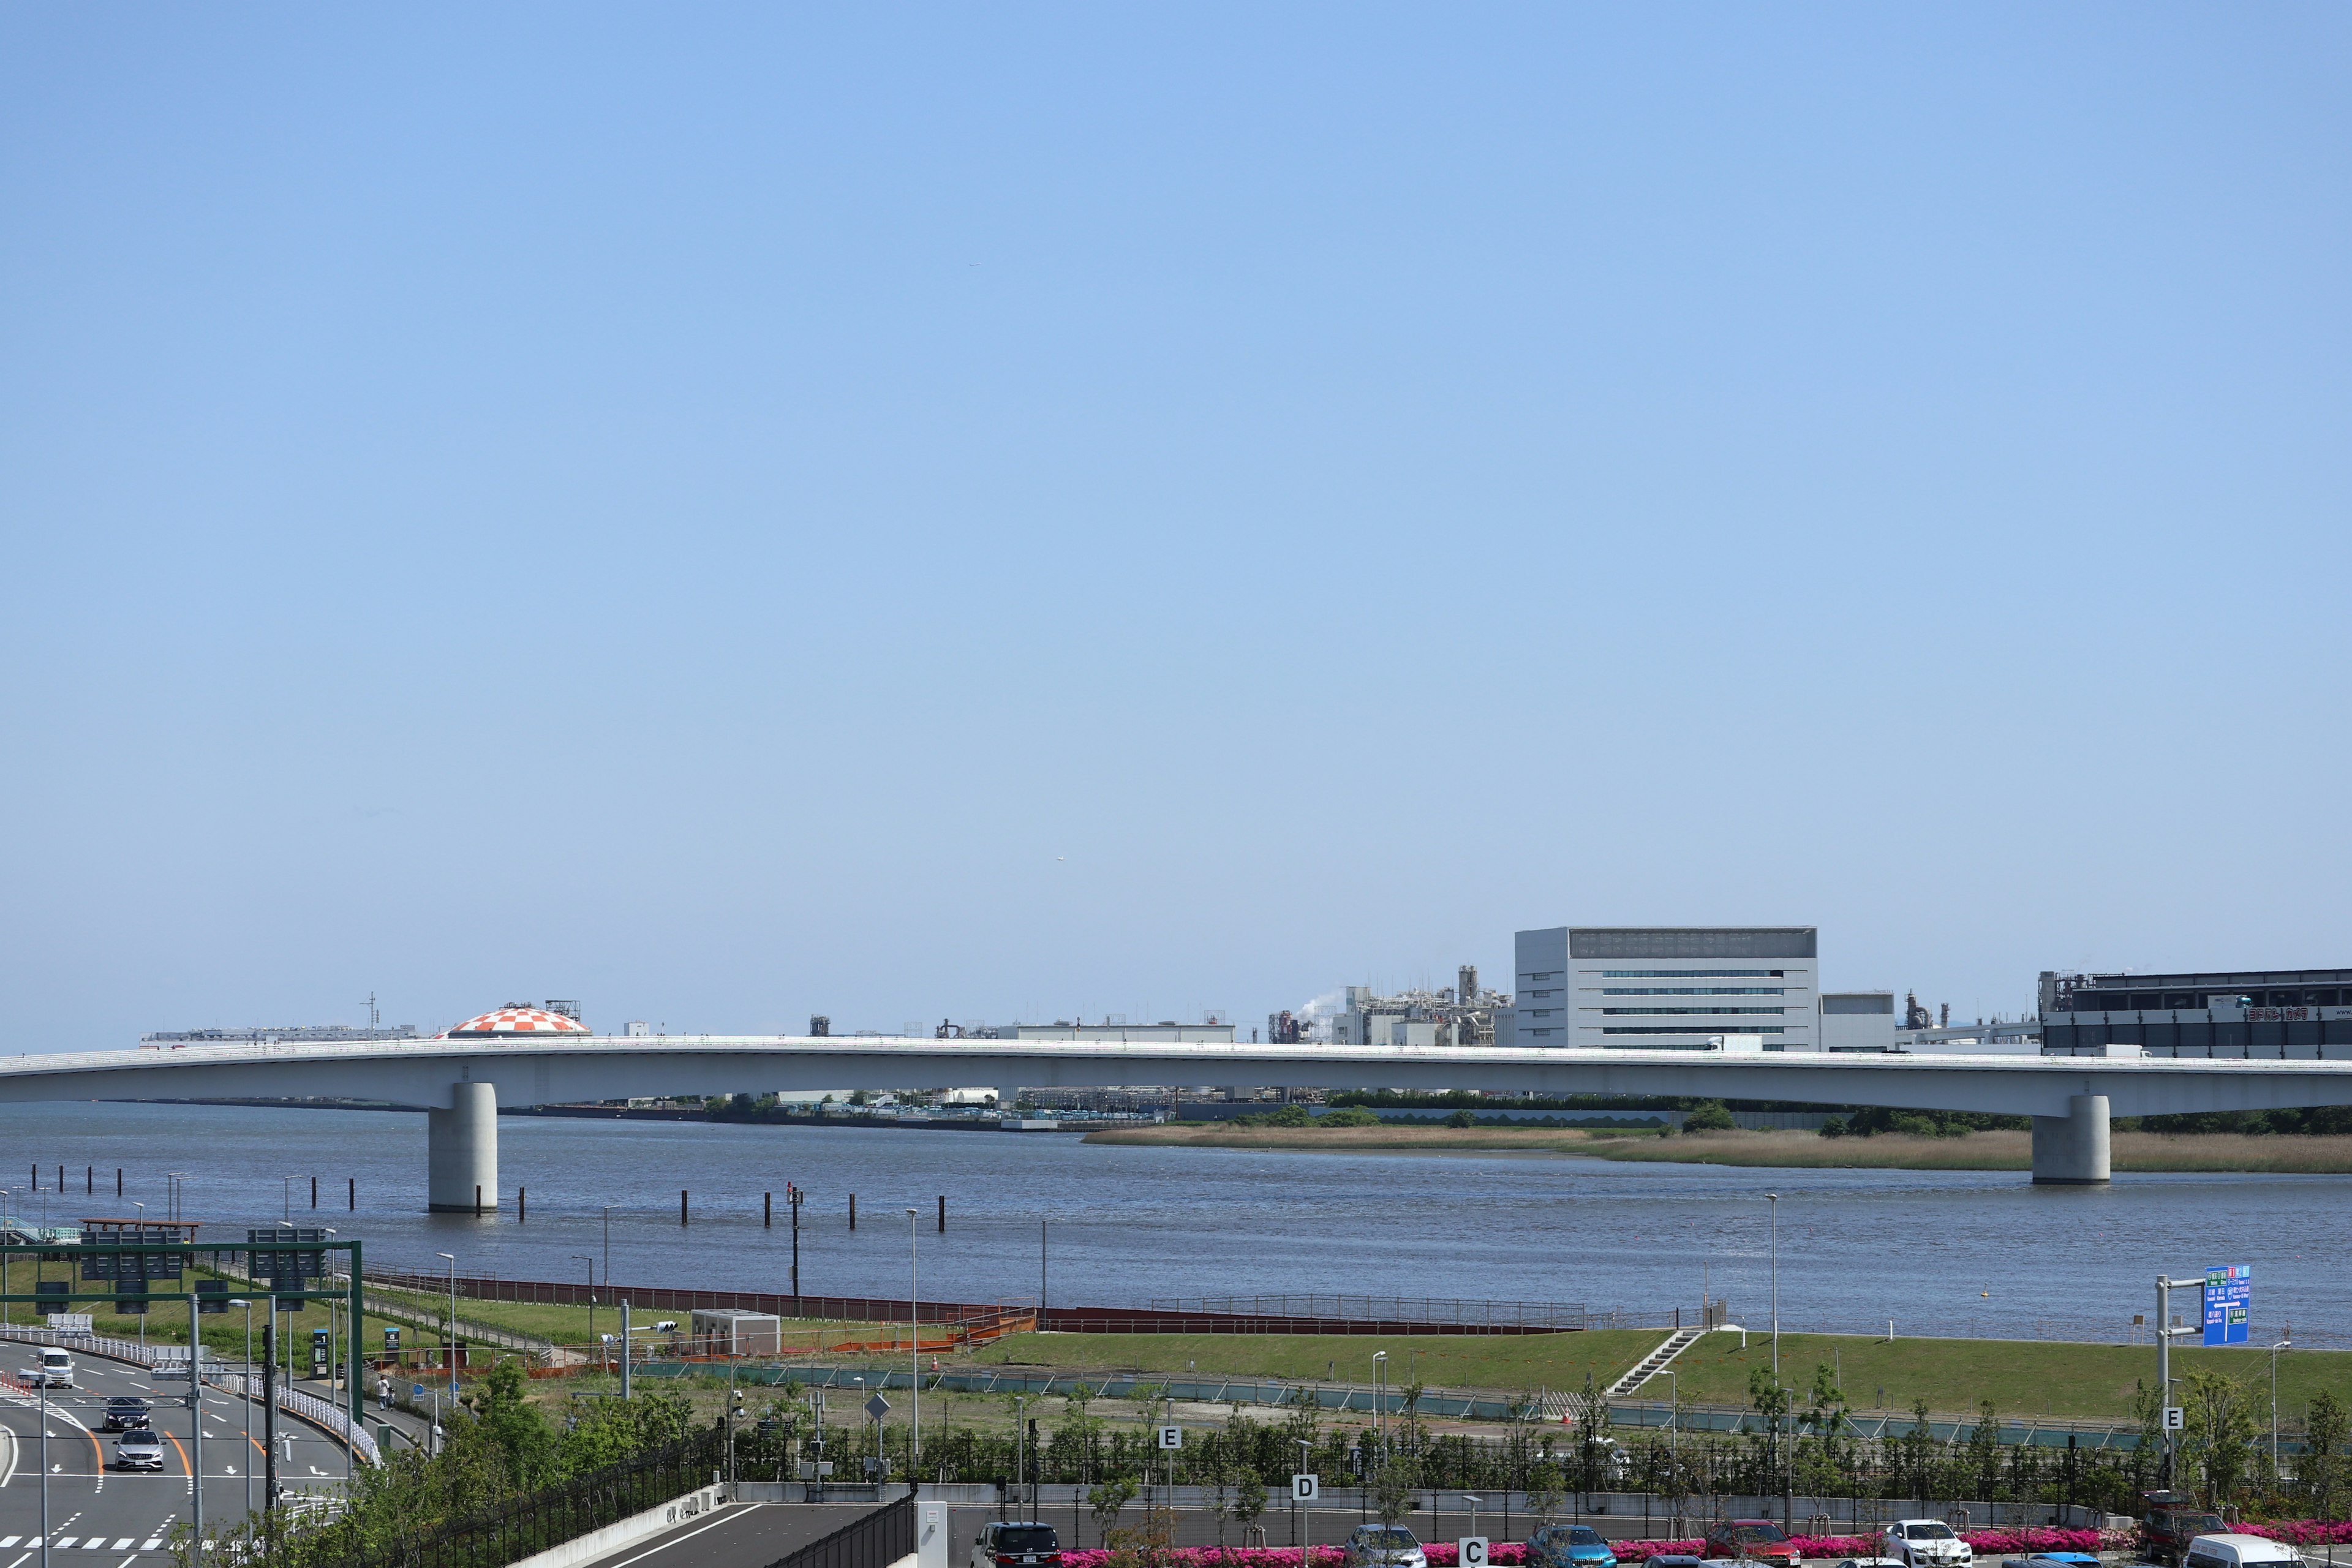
[[879, 1539], [549, 1517], [1460, 1310]]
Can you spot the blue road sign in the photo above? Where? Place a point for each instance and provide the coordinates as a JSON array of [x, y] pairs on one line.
[[2229, 1303]]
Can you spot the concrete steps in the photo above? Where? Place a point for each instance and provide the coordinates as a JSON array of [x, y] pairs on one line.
[[1650, 1365]]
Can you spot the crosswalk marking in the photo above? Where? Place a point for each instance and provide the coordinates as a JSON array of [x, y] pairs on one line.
[[8, 1540], [121, 1544], [62, 1541], [149, 1544]]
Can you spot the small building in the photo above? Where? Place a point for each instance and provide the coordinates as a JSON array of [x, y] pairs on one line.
[[728, 1330], [1858, 1021]]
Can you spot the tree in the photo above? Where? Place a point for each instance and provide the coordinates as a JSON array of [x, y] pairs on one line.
[[1249, 1499], [1461, 1119], [1984, 1450], [1105, 1499], [1547, 1487], [2321, 1472], [1393, 1486], [1709, 1116], [2219, 1435]]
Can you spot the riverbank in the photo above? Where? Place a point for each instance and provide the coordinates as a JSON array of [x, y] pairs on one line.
[[2277, 1154]]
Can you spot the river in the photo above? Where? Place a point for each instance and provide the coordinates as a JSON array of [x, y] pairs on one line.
[[1974, 1253]]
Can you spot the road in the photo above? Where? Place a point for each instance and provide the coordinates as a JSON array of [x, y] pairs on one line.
[[126, 1517], [747, 1535]]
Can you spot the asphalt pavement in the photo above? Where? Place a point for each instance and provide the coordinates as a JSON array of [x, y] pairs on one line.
[[125, 1517], [741, 1535]]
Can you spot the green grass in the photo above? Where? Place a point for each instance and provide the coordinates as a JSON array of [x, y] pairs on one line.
[[2021, 1377], [1510, 1361]]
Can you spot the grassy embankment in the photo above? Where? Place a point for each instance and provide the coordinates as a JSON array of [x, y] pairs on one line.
[[2021, 1377], [2003, 1151]]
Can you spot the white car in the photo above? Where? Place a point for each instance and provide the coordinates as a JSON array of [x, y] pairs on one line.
[[56, 1370], [1926, 1544]]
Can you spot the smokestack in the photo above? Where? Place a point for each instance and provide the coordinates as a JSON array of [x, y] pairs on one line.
[[1465, 984]]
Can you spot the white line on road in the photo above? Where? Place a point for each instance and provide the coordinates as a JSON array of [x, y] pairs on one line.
[[741, 1510]]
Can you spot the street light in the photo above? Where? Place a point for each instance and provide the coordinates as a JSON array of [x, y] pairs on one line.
[[608, 1243], [245, 1414], [1381, 1403], [1302, 1523], [2282, 1345], [449, 1337], [1774, 1199], [915, 1340], [583, 1258]]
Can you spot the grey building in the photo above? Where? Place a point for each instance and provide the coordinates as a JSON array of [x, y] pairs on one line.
[[1666, 987], [1857, 1021]]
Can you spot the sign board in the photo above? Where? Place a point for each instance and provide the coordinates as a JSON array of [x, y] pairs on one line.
[[391, 1340], [878, 1408], [1307, 1488], [1172, 1437], [70, 1322], [317, 1352], [2175, 1418], [1471, 1550], [2229, 1303], [416, 1391]]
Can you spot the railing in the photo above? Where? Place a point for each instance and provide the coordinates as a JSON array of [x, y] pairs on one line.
[[879, 1539], [537, 1520], [248, 1385], [1459, 1311]]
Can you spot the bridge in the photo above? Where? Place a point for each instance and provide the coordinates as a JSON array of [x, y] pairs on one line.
[[460, 1081]]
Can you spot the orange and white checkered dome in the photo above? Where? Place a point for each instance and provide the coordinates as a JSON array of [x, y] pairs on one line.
[[517, 1020]]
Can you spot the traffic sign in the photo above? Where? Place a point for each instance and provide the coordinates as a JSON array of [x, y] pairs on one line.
[[2175, 1418], [878, 1408], [1307, 1488], [2229, 1303], [1172, 1437], [1471, 1550]]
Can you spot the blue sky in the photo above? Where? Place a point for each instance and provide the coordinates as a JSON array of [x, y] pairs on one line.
[[999, 512]]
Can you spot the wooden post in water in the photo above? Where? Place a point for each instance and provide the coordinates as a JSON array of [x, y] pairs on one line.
[[767, 1210], [943, 1214], [852, 1211], [523, 1204], [355, 1194], [681, 1205], [314, 1192], [478, 1200]]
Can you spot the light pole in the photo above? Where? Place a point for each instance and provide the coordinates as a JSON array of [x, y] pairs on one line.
[[245, 1425], [449, 1337], [1774, 1199], [195, 1435], [583, 1258], [45, 1469], [286, 1195], [1381, 1405], [2282, 1345], [1302, 1522], [915, 1340], [608, 1243]]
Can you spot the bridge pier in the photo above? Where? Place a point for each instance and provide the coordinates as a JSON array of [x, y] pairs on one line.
[[2072, 1150], [461, 1151]]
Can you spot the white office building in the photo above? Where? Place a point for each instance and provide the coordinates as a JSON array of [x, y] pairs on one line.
[[1666, 988]]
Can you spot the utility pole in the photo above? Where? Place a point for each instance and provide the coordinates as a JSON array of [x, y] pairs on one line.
[[2164, 1334], [269, 1413], [195, 1437]]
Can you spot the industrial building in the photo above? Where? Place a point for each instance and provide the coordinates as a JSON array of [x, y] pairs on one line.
[[1667, 988], [2278, 1013], [1463, 1014]]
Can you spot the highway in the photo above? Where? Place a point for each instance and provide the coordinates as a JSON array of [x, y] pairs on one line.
[[120, 1519]]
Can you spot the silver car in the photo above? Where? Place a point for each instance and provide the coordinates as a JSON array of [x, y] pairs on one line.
[[1383, 1546], [140, 1450]]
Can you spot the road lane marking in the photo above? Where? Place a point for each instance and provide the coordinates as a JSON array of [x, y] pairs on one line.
[[742, 1510]]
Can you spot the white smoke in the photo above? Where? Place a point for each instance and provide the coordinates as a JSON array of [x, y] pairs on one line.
[[1315, 1018]]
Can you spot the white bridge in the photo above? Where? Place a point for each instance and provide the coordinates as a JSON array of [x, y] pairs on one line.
[[461, 1081]]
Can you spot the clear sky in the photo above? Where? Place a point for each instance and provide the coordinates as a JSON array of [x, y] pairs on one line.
[[1015, 511]]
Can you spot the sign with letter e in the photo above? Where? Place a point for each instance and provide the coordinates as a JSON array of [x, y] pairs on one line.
[[1172, 1437], [1473, 1550], [1307, 1488], [2175, 1418]]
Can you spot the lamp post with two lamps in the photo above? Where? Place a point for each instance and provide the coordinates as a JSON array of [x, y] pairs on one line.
[[449, 1337]]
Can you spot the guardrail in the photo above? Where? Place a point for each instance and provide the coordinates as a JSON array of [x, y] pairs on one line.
[[246, 1386]]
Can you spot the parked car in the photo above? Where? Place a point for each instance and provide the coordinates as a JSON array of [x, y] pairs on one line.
[[2233, 1551], [1672, 1560], [139, 1450], [1570, 1546], [1926, 1544], [126, 1413], [2052, 1560], [2173, 1520], [1382, 1546], [54, 1370], [1016, 1545], [1874, 1562], [1752, 1541]]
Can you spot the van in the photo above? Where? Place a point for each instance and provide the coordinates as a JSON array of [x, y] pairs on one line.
[[2240, 1551], [56, 1369]]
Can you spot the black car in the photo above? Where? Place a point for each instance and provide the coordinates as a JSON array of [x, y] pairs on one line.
[[126, 1413]]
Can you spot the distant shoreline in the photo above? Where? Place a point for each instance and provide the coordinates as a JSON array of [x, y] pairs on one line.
[[2177, 1153]]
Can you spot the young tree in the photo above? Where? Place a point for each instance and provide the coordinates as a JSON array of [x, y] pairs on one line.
[[1547, 1487], [2219, 1436], [1984, 1450], [1249, 1501], [2321, 1472], [1105, 1499]]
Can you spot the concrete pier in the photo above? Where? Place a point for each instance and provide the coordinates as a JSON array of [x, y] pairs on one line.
[[462, 1151], [2072, 1150]]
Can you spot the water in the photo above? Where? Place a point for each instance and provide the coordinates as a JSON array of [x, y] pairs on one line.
[[1940, 1252]]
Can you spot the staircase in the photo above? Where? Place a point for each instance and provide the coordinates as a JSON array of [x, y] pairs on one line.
[[1650, 1365]]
